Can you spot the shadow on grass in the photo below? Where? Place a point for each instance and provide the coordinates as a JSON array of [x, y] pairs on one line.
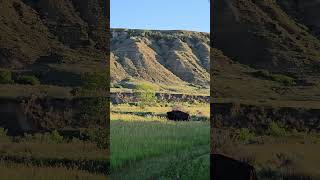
[[273, 174], [92, 166]]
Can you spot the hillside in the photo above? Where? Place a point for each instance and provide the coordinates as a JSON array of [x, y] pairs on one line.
[[272, 49], [160, 56], [265, 34], [32, 29], [53, 40], [304, 12], [272, 46]]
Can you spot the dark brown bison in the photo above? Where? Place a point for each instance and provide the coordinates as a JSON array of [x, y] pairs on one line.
[[225, 168], [178, 116]]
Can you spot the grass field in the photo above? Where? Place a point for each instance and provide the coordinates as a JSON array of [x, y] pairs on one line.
[[289, 156], [51, 156], [12, 171], [145, 145]]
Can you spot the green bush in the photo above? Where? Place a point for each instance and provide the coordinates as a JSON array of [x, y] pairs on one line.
[[3, 136], [283, 79], [28, 79], [3, 132], [276, 130], [97, 80], [262, 73], [145, 87], [6, 77], [244, 135], [146, 98], [286, 80], [56, 137], [51, 138], [100, 136], [93, 112], [117, 86]]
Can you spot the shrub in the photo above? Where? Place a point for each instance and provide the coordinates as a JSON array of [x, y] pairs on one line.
[[286, 80], [145, 87], [199, 118], [146, 98], [244, 135], [100, 136], [283, 79], [95, 80], [294, 131], [262, 73], [53, 137], [6, 77], [28, 79], [40, 113], [56, 137], [276, 129], [93, 112], [3, 132], [117, 86]]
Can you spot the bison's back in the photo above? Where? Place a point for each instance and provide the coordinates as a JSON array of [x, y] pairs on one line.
[[178, 116], [225, 168]]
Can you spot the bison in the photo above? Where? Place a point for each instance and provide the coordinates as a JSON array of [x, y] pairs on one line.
[[178, 116], [225, 168]]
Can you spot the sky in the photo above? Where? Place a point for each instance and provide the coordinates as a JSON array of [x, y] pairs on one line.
[[192, 15]]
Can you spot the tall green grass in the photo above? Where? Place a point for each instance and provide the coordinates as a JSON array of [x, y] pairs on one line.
[[135, 137], [133, 141]]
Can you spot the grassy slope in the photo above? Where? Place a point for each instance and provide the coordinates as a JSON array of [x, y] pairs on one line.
[[50, 29], [269, 39], [21, 53]]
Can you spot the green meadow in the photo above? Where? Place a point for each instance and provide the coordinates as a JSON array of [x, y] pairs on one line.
[[145, 145]]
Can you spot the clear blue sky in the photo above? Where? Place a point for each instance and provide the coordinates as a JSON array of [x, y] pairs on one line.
[[191, 15]]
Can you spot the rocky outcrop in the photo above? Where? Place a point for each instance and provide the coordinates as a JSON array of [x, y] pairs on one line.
[[160, 56], [120, 98]]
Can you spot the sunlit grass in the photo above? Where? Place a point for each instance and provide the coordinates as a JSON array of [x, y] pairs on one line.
[[196, 109], [137, 137]]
